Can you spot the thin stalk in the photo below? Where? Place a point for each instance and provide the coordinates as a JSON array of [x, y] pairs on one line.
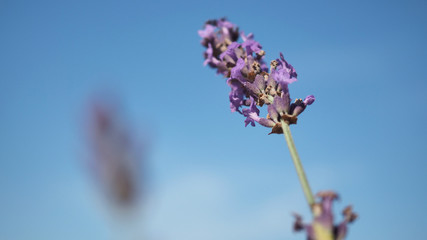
[[297, 162]]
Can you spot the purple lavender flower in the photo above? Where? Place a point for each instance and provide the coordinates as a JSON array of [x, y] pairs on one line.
[[254, 84], [249, 78], [323, 223]]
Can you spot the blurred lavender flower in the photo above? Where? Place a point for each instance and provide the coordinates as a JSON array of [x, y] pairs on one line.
[[249, 78], [116, 164], [323, 224]]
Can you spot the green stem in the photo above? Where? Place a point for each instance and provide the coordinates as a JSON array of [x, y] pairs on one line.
[[297, 163]]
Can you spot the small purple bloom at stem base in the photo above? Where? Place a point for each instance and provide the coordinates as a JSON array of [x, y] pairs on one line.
[[323, 223]]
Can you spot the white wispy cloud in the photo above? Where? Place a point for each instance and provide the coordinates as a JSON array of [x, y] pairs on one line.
[[205, 206]]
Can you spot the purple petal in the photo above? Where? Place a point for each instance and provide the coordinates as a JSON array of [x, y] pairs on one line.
[[236, 70], [281, 105], [253, 106], [208, 32], [309, 100], [225, 24], [288, 67], [236, 95], [249, 36], [299, 106], [252, 89], [259, 82], [251, 46], [251, 114], [266, 122], [286, 96], [273, 113], [208, 54], [230, 51], [282, 77], [271, 82]]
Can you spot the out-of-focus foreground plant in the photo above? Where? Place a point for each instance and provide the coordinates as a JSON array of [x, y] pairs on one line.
[[116, 164], [254, 84]]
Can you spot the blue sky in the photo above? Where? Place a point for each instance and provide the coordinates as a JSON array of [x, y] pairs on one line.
[[210, 177]]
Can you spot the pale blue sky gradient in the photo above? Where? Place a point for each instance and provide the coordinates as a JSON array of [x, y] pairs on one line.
[[212, 178]]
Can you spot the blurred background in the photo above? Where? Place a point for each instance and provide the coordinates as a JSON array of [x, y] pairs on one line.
[[206, 176]]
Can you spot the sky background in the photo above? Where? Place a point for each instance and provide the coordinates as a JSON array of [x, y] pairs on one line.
[[209, 176]]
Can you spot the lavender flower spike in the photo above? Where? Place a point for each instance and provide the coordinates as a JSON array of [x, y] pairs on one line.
[[249, 77]]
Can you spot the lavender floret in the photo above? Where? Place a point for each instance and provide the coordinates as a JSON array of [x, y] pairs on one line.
[[251, 113], [251, 46], [236, 95]]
